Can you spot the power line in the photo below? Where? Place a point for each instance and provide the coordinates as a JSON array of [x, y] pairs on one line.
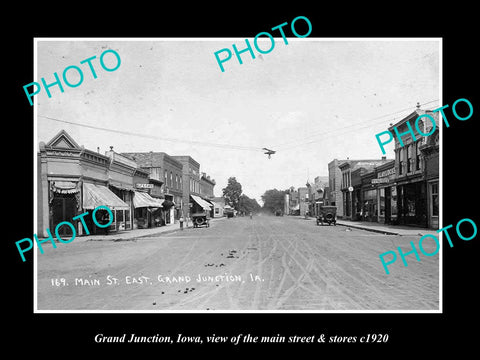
[[196, 142], [299, 142]]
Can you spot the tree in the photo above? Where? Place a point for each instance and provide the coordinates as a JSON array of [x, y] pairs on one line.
[[232, 192], [248, 205], [273, 200]]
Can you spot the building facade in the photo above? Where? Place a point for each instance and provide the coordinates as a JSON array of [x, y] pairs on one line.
[[72, 180], [316, 194], [191, 186], [303, 200], [430, 153], [163, 169], [334, 184], [207, 186], [411, 185], [353, 191]]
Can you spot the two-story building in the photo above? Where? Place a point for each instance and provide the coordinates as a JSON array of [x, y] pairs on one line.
[[163, 170], [191, 186], [350, 194], [207, 185], [412, 193]]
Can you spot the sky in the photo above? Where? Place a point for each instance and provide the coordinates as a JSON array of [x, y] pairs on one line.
[[312, 101]]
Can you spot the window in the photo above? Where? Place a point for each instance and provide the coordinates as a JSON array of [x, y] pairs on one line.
[[410, 158], [166, 177], [382, 201], [402, 163], [434, 192], [417, 157], [176, 181], [171, 179]]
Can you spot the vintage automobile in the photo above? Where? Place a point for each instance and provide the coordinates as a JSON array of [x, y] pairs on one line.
[[201, 219], [328, 214]]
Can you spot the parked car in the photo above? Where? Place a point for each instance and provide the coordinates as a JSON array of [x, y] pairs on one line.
[[201, 219], [328, 214]]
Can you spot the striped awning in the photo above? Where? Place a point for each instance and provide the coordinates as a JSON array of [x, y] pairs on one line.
[[65, 187], [142, 199], [97, 195], [205, 205]]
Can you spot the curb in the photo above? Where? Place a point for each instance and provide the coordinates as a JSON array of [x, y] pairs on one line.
[[135, 237], [386, 232]]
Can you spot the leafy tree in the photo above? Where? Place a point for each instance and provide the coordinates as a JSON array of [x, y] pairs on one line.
[[248, 205], [232, 192], [273, 200]]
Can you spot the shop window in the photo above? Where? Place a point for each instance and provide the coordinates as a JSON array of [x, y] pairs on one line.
[[382, 202], [435, 199], [393, 203]]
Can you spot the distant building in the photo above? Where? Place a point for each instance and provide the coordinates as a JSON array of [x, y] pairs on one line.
[[192, 191], [317, 194], [219, 206], [206, 186], [334, 183], [303, 200], [346, 187]]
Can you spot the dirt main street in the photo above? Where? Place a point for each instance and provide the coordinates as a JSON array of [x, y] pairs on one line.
[[267, 263]]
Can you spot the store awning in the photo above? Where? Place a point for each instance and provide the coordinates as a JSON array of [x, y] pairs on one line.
[[65, 187], [122, 186], [97, 195], [205, 205], [142, 199]]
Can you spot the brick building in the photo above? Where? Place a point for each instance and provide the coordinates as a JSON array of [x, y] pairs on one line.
[[414, 200], [206, 186], [167, 170]]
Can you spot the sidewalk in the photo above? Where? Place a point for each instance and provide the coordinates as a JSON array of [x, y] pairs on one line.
[[382, 228], [386, 229], [139, 233]]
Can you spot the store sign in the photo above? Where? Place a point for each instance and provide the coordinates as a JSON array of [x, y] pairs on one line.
[[144, 186], [386, 173], [380, 181]]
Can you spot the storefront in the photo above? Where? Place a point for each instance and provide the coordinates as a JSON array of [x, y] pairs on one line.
[[148, 210], [430, 152], [369, 211], [387, 193], [199, 205], [125, 193], [412, 203], [65, 203], [95, 195]]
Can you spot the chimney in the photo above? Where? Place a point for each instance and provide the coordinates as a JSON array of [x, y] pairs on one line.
[[418, 105], [384, 158]]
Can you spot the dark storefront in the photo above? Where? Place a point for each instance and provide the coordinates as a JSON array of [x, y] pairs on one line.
[[64, 204], [412, 204]]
